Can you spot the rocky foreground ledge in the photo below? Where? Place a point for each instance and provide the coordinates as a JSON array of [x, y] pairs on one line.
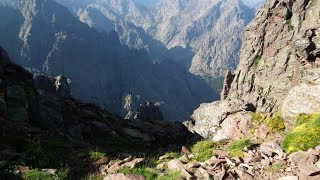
[[265, 162]]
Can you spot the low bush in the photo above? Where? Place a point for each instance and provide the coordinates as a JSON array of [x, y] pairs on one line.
[[275, 122], [95, 155]]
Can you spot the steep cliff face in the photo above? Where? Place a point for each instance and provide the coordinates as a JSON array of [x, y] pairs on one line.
[[280, 45], [45, 37]]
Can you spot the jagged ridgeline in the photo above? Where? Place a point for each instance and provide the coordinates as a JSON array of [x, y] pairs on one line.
[[43, 36]]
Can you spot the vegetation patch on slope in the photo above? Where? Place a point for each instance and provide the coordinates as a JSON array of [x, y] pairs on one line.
[[304, 136]]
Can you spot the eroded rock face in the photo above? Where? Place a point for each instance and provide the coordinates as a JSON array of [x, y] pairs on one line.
[[279, 46]]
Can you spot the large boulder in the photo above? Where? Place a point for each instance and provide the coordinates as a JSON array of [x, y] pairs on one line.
[[209, 117], [303, 98], [237, 125]]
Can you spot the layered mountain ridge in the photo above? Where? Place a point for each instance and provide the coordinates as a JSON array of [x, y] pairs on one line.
[[45, 37], [188, 31]]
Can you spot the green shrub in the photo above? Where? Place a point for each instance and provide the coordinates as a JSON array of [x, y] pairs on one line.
[[236, 147], [203, 150], [257, 118], [37, 175], [275, 123], [290, 26], [256, 61], [303, 137], [95, 155]]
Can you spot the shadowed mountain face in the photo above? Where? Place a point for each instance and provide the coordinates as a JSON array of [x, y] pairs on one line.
[[208, 31], [44, 36]]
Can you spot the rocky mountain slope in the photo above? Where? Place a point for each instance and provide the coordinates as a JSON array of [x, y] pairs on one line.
[[277, 79], [281, 47], [43, 126], [45, 37], [188, 32]]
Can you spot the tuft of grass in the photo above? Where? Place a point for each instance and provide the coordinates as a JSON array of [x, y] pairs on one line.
[[36, 175], [36, 156], [63, 173], [290, 26], [95, 155], [303, 137], [236, 147], [275, 122], [256, 61], [304, 118], [276, 167], [149, 173], [170, 176], [203, 150]]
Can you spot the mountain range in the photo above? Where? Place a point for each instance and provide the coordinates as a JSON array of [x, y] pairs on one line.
[[188, 32], [45, 37]]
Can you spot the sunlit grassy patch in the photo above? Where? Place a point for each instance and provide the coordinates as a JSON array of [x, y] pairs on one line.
[[170, 176], [149, 173], [236, 147], [304, 118], [275, 123], [203, 150], [303, 137]]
